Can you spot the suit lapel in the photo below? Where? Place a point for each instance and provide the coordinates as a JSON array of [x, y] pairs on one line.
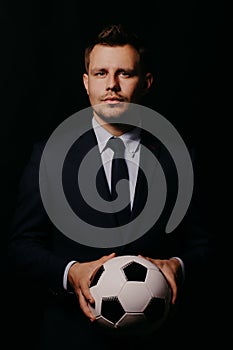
[[86, 143], [144, 179]]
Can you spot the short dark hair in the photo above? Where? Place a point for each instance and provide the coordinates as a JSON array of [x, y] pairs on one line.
[[119, 35]]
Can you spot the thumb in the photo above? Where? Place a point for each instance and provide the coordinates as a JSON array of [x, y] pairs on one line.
[[101, 261], [107, 257]]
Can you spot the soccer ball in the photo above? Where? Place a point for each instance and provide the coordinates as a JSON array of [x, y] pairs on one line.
[[131, 296]]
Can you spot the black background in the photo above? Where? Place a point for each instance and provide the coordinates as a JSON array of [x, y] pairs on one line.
[[42, 85]]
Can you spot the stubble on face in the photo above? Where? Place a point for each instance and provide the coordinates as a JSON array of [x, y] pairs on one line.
[[116, 118], [112, 112]]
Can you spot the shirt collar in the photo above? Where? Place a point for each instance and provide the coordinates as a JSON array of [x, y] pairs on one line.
[[131, 138]]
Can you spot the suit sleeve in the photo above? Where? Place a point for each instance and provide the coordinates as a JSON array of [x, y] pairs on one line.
[[198, 250], [30, 254]]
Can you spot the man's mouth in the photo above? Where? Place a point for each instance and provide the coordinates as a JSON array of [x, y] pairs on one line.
[[112, 100]]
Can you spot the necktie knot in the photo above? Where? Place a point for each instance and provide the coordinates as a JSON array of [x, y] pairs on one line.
[[118, 147]]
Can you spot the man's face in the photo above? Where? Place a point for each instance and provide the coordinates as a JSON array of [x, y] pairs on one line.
[[114, 80]]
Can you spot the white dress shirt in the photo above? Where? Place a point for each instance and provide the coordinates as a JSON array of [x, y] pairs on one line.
[[131, 141]]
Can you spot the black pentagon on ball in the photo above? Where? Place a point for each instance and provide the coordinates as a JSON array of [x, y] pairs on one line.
[[134, 271], [155, 309], [97, 276], [111, 309]]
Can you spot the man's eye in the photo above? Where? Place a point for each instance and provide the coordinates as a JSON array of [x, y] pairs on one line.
[[125, 74], [100, 74]]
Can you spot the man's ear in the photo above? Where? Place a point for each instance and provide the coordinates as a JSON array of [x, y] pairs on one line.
[[85, 82], [148, 81]]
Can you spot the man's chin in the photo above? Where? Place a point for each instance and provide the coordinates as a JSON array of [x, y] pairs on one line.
[[112, 112]]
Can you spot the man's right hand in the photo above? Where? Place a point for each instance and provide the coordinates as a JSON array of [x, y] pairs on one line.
[[80, 276]]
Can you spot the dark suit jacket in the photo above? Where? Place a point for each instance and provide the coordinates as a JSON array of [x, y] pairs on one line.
[[40, 252]]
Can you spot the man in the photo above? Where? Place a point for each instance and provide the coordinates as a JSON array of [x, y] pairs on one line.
[[117, 77]]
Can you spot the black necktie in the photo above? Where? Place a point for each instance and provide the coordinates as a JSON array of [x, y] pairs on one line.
[[120, 171]]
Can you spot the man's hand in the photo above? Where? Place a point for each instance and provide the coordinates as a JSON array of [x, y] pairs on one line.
[[80, 276], [172, 270]]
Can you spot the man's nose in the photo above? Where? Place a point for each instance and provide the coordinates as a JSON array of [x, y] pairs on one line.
[[112, 82]]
